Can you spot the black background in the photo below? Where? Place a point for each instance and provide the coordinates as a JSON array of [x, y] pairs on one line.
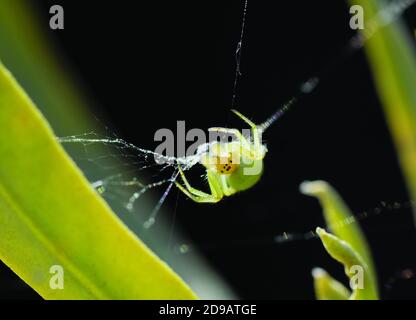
[[153, 63]]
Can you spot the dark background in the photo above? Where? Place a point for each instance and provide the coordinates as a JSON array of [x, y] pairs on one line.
[[151, 64]]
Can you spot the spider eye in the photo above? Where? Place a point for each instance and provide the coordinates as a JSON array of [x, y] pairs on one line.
[[225, 165]]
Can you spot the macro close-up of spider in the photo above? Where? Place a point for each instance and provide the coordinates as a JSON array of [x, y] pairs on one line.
[[127, 173], [231, 166]]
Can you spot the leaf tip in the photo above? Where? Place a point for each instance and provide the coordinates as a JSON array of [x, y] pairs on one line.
[[320, 232], [313, 188], [318, 273]]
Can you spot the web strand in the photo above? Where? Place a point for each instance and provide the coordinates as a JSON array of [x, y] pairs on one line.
[[384, 17], [289, 237], [152, 219], [238, 55]]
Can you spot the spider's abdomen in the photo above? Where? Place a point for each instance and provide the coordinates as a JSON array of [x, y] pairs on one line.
[[246, 175]]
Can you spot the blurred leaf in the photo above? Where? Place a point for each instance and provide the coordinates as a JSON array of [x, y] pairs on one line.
[[40, 67], [392, 58], [50, 215], [340, 220], [327, 288], [344, 253]]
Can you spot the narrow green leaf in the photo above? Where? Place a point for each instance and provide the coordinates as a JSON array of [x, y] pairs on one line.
[[339, 218], [345, 254], [327, 288], [392, 58], [50, 215]]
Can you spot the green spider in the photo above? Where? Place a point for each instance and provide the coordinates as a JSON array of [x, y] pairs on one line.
[[230, 166]]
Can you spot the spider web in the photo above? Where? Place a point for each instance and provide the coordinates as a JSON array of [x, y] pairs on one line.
[[121, 163], [128, 172]]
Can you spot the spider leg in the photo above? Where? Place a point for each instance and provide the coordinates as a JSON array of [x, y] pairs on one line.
[[235, 132], [254, 130], [200, 196]]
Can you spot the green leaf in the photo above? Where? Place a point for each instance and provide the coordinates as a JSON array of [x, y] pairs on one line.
[[340, 220], [327, 288], [50, 215], [345, 254], [392, 58]]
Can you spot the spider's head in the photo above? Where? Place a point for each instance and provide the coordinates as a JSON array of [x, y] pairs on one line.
[[223, 158], [225, 165]]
